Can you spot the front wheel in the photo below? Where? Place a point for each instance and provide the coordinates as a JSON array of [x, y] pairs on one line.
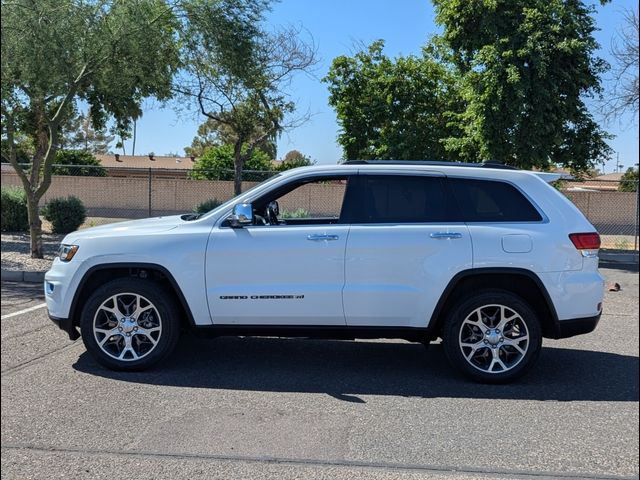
[[130, 324], [493, 337]]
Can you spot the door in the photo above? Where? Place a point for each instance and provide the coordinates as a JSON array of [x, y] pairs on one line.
[[288, 267], [404, 247]]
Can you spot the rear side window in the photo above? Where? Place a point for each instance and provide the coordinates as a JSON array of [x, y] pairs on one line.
[[401, 199], [492, 201]]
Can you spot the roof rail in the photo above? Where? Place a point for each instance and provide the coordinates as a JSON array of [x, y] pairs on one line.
[[488, 164]]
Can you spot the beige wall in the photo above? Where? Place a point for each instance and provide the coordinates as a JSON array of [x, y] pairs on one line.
[[606, 208], [129, 197]]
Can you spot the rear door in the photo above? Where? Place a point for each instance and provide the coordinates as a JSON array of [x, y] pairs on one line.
[[404, 247]]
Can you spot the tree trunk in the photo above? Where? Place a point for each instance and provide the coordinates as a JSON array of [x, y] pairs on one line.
[[238, 163], [35, 225]]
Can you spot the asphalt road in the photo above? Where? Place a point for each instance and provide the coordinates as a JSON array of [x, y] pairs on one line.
[[279, 408]]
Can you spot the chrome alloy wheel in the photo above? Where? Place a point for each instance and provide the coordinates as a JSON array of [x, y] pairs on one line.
[[494, 338], [127, 326]]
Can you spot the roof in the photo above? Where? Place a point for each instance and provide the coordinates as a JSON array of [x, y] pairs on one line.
[[145, 161], [611, 177]]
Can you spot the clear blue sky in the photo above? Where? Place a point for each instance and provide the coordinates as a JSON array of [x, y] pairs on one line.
[[337, 27]]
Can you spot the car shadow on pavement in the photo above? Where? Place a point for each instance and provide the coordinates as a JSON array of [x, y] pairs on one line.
[[345, 369]]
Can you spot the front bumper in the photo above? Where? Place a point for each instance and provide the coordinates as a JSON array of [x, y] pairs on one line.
[[67, 325]]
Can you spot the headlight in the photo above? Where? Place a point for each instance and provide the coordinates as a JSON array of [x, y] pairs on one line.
[[66, 252]]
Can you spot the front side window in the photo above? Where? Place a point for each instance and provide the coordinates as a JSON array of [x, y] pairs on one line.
[[402, 199], [492, 201], [313, 201]]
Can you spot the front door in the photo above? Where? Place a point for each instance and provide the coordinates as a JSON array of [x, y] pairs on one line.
[[288, 267]]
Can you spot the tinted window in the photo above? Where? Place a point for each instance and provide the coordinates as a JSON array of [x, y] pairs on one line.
[[491, 201], [401, 199]]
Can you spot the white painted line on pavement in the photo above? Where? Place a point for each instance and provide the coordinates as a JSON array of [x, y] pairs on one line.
[[20, 312]]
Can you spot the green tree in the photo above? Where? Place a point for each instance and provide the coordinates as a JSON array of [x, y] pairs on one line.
[[629, 180], [294, 159], [80, 134], [247, 92], [213, 133], [526, 67], [107, 53], [78, 163], [397, 109], [217, 163]]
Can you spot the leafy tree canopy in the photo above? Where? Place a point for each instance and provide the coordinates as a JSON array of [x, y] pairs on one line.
[[394, 108], [629, 180], [79, 163], [526, 67], [294, 159], [217, 163], [213, 133], [80, 134]]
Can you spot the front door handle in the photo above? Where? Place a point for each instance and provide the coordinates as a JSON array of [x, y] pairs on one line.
[[322, 237], [446, 235]]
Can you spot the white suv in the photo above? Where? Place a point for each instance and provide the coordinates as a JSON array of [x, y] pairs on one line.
[[487, 258]]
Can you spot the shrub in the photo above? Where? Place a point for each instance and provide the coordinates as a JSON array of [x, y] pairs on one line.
[[15, 217], [79, 163], [629, 181], [65, 214], [298, 213], [207, 205]]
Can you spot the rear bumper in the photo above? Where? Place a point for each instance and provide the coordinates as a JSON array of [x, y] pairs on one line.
[[66, 325], [576, 326]]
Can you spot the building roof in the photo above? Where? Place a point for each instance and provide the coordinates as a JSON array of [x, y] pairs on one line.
[[145, 161], [611, 177]]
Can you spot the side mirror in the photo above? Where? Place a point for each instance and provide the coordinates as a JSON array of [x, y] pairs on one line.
[[242, 215]]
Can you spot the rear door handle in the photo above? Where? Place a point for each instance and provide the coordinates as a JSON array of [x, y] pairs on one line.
[[446, 235], [317, 237]]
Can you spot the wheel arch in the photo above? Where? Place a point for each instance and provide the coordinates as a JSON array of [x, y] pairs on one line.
[[519, 281], [99, 274]]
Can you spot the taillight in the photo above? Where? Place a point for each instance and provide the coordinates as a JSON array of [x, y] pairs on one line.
[[585, 241]]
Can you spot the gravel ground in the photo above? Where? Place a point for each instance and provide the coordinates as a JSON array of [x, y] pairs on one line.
[[16, 252]]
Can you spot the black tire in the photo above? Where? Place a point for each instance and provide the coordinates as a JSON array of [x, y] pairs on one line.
[[168, 318], [457, 328]]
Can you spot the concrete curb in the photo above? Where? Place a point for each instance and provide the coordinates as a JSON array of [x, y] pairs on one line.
[[21, 276], [618, 257]]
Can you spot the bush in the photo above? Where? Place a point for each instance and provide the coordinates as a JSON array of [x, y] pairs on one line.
[[79, 163], [15, 217], [629, 181], [65, 214], [207, 205], [298, 213]]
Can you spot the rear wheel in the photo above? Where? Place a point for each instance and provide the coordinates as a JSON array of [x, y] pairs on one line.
[[493, 337], [130, 324]]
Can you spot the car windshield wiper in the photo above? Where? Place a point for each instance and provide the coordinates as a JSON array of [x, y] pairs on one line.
[[188, 217]]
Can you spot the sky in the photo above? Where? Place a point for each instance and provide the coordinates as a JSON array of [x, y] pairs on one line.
[[337, 27]]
